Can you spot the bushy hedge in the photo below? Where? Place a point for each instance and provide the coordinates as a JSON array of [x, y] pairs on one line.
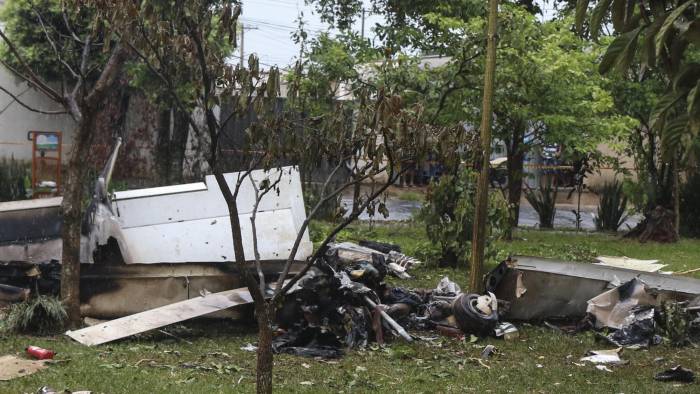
[[448, 215], [14, 176]]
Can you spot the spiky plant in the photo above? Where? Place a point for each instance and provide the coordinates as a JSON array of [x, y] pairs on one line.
[[40, 315], [612, 207], [543, 201]]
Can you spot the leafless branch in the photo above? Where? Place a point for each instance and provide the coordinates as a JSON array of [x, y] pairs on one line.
[[392, 177], [322, 200], [19, 74], [83, 66], [30, 74], [53, 45], [258, 197], [8, 105], [67, 23], [449, 86], [195, 35], [20, 102]]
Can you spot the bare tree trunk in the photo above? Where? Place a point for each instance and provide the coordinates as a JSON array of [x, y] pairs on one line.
[[72, 207], [676, 199], [515, 181], [356, 197], [482, 191], [162, 158], [263, 376], [230, 199], [178, 145], [262, 309]]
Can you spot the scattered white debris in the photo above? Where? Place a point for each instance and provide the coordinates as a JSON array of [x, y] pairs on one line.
[[604, 356], [629, 263]]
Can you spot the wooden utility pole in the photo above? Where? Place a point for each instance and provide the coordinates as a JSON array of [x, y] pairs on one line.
[[242, 46], [242, 52], [482, 191], [362, 34]]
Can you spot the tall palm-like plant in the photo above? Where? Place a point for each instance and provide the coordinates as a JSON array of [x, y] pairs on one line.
[[612, 207], [543, 201]]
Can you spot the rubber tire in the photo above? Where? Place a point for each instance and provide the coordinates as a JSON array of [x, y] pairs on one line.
[[470, 320]]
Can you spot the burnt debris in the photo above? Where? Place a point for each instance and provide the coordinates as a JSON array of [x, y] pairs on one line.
[[343, 303]]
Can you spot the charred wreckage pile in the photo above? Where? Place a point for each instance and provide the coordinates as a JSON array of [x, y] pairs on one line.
[[343, 302]]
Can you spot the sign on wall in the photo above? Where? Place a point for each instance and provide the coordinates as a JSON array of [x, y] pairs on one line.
[[47, 141]]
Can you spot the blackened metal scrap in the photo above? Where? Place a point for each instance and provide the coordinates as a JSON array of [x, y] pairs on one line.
[[399, 295], [447, 288], [611, 308], [385, 258], [308, 342], [638, 330], [13, 293], [676, 374], [30, 221], [357, 326], [394, 325], [380, 246], [343, 302]]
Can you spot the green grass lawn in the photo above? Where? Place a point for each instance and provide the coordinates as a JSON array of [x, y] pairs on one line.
[[540, 361]]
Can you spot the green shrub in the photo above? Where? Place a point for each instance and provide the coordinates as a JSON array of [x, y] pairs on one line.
[[543, 201], [448, 215], [612, 207], [331, 210], [13, 178], [637, 192], [40, 315]]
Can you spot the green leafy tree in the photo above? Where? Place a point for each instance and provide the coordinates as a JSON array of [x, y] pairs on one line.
[[549, 93], [636, 97], [547, 89], [448, 215], [87, 59], [414, 24], [38, 29], [21, 20], [656, 37]]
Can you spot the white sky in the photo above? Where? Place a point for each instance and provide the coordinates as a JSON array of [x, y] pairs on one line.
[[273, 21]]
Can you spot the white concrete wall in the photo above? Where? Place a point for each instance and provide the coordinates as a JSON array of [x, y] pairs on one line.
[[16, 121]]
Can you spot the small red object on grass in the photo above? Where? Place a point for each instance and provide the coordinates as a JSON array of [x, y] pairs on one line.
[[40, 353]]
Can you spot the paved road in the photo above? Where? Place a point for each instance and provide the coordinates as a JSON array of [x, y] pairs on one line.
[[565, 218], [401, 210]]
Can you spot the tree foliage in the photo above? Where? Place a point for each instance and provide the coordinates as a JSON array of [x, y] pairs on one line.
[[449, 218], [40, 28], [548, 90], [662, 36]]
